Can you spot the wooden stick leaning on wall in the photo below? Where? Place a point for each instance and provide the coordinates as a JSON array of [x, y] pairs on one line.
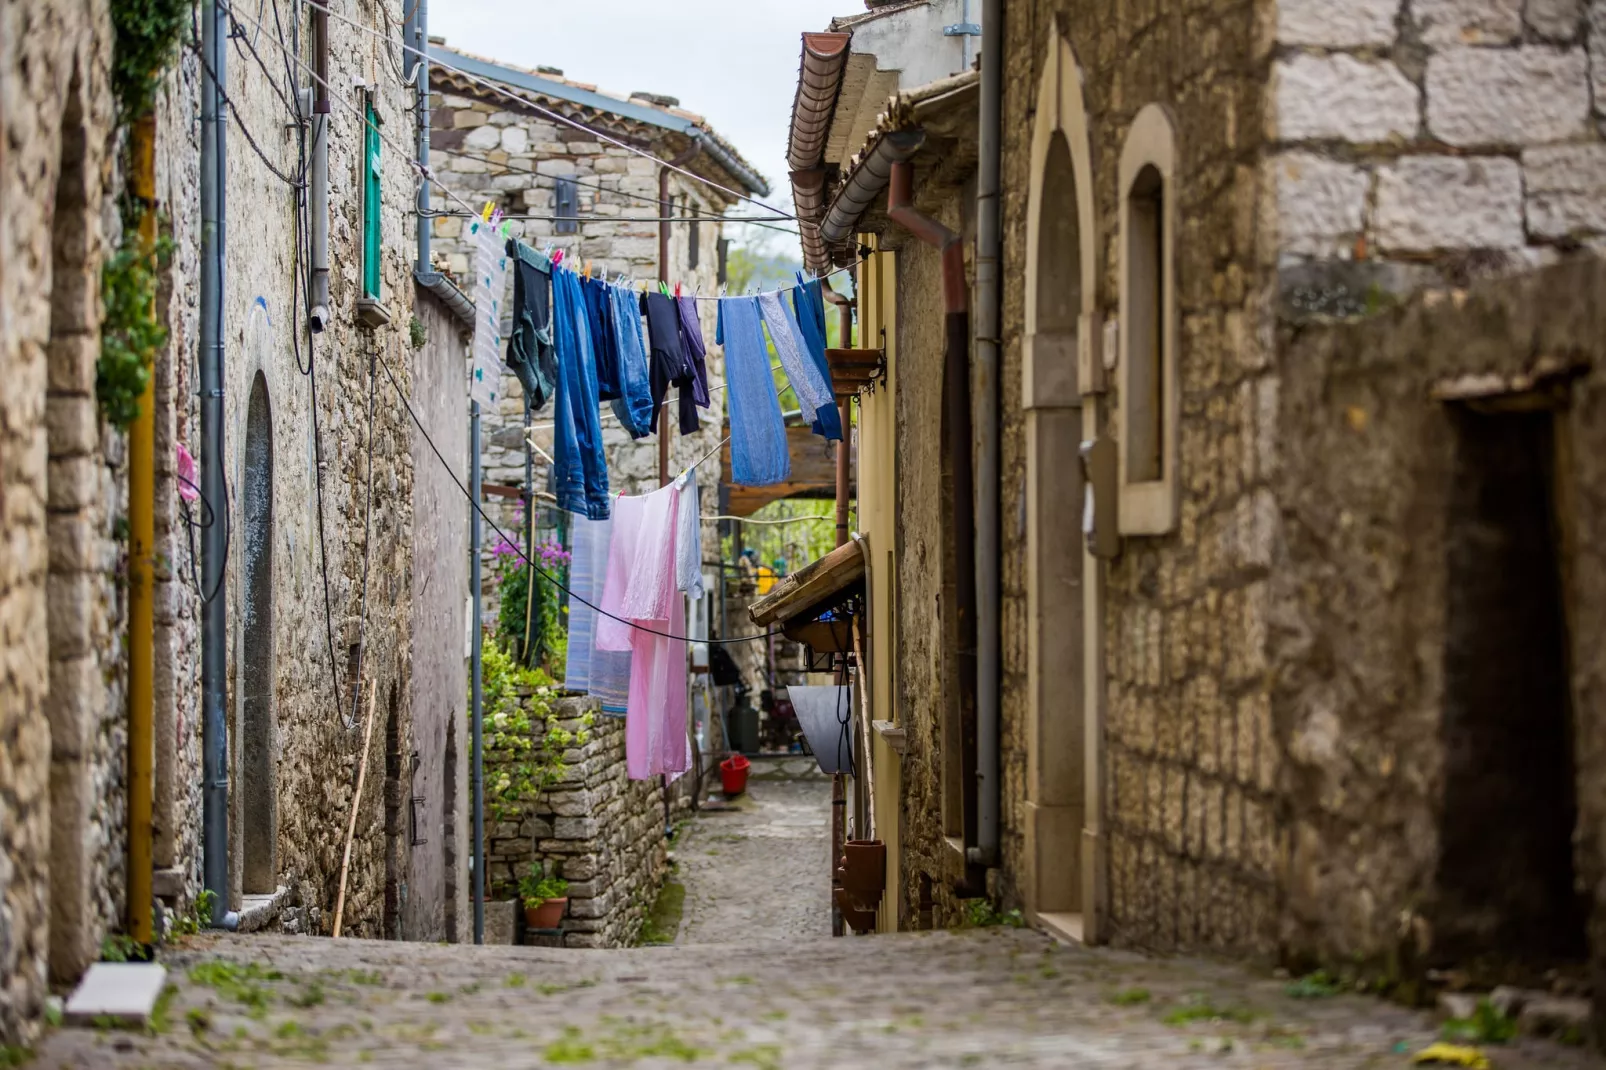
[[356, 803], [863, 761]]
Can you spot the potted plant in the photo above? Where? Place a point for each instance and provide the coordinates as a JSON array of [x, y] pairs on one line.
[[545, 899]]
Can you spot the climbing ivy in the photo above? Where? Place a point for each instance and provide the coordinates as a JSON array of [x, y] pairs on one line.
[[147, 33], [131, 335], [524, 740]]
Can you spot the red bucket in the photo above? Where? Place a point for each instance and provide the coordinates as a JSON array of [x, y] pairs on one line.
[[733, 774]]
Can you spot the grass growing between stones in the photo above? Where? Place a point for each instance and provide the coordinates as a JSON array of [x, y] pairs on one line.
[[241, 983], [1201, 1009], [663, 921], [1129, 997]]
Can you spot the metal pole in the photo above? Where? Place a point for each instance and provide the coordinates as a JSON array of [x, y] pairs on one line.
[[985, 385], [214, 618], [420, 34], [477, 723], [142, 578]]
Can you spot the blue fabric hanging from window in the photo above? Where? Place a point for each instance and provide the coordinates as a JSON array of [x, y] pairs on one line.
[[580, 475], [759, 454]]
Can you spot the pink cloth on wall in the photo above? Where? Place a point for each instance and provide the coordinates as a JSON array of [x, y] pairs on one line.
[[640, 587]]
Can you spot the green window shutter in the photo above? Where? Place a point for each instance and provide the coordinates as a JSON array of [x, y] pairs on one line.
[[370, 205]]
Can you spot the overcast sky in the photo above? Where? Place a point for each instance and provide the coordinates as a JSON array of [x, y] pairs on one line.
[[733, 61]]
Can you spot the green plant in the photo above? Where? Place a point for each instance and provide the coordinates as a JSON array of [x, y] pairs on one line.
[[119, 947], [240, 983], [525, 741], [1486, 1026], [416, 333], [131, 334], [1318, 985], [1130, 997], [1200, 1009], [535, 888], [981, 914], [146, 37], [196, 919]]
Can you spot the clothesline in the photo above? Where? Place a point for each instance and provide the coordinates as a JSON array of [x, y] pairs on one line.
[[752, 291]]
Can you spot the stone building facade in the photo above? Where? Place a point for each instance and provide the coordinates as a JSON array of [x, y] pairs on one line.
[[492, 148], [61, 494], [1244, 715]]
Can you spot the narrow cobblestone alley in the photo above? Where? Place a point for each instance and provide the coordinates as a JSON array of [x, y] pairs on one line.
[[759, 872], [754, 980]]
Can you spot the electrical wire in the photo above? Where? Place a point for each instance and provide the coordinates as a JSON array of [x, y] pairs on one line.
[[239, 121], [478, 508], [554, 115]]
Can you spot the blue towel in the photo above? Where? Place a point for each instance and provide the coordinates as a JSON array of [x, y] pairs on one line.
[[810, 309], [580, 475], [758, 434]]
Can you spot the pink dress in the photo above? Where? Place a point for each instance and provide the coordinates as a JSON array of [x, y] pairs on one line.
[[640, 587]]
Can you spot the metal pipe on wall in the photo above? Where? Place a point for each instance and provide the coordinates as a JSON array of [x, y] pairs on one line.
[[318, 303], [214, 609], [420, 35], [988, 558], [476, 652]]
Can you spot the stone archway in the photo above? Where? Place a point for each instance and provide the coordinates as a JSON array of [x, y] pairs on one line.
[[1061, 376]]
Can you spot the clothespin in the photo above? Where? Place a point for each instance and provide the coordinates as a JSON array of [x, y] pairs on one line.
[[485, 214], [557, 257], [722, 289], [547, 252], [663, 288], [588, 270], [677, 289]]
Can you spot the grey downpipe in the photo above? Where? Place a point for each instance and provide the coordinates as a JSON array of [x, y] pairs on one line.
[[318, 305], [477, 698], [985, 385], [214, 616], [420, 31]]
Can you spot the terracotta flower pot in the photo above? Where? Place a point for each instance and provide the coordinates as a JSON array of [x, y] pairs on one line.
[[549, 915], [864, 872]]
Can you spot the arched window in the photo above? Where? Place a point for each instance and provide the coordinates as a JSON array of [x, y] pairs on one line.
[[1148, 389]]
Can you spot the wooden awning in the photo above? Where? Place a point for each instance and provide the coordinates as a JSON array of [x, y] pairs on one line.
[[798, 599], [813, 474], [854, 369]]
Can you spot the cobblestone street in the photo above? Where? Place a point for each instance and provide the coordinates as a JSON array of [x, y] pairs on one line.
[[755, 980], [761, 872]]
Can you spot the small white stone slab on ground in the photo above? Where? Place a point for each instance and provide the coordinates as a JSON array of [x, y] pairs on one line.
[[125, 991]]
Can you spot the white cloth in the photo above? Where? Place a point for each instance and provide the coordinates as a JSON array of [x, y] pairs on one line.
[[689, 538]]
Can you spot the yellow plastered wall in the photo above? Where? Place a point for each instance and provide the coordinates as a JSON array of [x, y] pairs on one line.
[[877, 488]]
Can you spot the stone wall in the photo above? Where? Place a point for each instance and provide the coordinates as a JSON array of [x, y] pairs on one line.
[[1439, 140], [312, 750], [436, 906], [596, 828], [1188, 767], [1368, 610], [60, 605]]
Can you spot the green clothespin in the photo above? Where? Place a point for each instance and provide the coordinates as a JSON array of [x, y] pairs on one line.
[[663, 287]]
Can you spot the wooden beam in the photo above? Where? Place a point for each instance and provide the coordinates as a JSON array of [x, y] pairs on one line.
[[813, 474], [811, 586]]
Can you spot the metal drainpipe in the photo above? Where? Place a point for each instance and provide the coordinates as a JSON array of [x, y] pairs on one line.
[[420, 37], [318, 305], [844, 309], [988, 782], [957, 411], [214, 611]]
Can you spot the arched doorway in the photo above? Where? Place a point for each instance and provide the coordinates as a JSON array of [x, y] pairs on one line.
[[1061, 376], [258, 779]]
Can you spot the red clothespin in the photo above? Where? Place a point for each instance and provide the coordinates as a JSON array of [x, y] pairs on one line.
[[677, 289], [557, 257]]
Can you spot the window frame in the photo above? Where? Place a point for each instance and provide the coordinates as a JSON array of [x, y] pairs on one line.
[[1149, 506]]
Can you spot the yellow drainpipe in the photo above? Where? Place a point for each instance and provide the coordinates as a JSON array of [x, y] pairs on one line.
[[141, 582]]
